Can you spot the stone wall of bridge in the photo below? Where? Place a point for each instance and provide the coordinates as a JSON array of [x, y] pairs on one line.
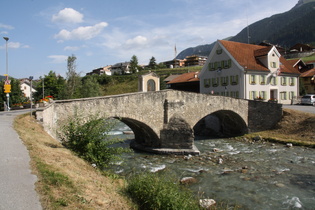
[[166, 119]]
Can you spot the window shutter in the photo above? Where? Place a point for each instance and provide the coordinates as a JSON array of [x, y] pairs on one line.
[[236, 79]]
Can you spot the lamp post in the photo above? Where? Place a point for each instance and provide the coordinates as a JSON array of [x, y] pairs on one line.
[[7, 82], [31, 95]]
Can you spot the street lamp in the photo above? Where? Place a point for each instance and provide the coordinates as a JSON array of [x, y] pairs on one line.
[[7, 82], [31, 95]]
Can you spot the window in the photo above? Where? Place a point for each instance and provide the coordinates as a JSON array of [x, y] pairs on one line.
[[252, 95], [262, 79], [211, 67], [215, 82], [291, 81], [291, 95], [206, 83], [234, 94], [219, 51], [234, 80], [283, 81], [262, 95], [224, 81], [283, 95], [252, 79], [273, 65], [273, 81]]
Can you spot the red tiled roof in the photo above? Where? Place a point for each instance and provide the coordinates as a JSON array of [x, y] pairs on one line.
[[246, 55], [186, 77], [309, 73]]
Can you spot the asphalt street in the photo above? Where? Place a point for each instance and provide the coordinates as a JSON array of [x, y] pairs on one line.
[[302, 108], [17, 189]]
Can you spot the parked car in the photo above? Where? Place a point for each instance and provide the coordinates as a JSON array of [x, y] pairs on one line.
[[308, 99]]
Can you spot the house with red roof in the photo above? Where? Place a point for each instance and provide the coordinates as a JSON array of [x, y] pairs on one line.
[[185, 82], [249, 71], [308, 79]]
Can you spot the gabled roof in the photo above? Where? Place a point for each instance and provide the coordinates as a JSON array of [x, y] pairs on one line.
[[247, 56], [186, 77], [244, 54], [309, 73]]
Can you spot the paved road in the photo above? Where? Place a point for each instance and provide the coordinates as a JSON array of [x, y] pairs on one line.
[[303, 108], [17, 189]]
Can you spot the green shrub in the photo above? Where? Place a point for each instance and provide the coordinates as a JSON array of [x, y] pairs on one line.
[[88, 138], [152, 191]]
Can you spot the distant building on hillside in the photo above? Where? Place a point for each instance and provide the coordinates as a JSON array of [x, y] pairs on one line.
[[100, 71], [195, 60]]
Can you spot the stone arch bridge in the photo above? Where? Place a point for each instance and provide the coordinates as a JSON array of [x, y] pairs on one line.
[[166, 121]]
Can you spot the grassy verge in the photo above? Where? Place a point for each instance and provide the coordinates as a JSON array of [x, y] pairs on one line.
[[64, 180], [295, 127]]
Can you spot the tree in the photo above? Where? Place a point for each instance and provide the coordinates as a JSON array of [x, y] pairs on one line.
[[73, 84], [134, 64], [53, 86], [152, 63], [90, 87]]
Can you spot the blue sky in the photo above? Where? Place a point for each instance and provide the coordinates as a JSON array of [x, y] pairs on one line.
[[43, 33]]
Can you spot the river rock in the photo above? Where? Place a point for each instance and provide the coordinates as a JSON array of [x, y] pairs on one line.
[[220, 161], [206, 203], [280, 185], [188, 180], [289, 145]]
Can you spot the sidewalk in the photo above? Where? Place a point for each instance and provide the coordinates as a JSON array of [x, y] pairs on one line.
[[17, 189]]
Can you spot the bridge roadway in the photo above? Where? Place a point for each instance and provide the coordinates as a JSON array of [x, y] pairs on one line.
[[166, 121]]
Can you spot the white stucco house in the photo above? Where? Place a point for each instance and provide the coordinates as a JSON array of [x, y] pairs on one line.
[[26, 87], [249, 71]]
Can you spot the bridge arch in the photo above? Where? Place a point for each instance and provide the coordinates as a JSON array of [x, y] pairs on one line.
[[144, 134], [221, 123]]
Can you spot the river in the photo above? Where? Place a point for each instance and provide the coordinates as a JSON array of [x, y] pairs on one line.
[[255, 176]]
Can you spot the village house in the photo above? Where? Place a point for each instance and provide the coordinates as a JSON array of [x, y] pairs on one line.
[[185, 82], [26, 87], [308, 79], [249, 71], [100, 71]]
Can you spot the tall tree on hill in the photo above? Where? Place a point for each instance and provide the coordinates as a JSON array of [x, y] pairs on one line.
[[73, 84], [152, 63], [134, 64]]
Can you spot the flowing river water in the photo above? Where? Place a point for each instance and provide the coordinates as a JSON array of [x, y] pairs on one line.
[[253, 175]]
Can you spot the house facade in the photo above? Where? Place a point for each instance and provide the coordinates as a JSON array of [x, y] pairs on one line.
[[308, 79], [26, 87], [249, 71]]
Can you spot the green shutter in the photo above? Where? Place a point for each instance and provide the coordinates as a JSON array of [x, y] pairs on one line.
[[229, 63], [236, 79]]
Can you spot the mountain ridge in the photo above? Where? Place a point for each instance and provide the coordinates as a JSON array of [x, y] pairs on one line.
[[284, 29]]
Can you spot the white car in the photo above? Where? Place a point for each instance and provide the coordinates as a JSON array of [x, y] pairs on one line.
[[308, 99]]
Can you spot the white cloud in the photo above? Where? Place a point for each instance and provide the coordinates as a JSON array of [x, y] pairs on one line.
[[136, 42], [58, 58], [82, 33], [14, 45], [67, 15], [8, 27], [71, 48]]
